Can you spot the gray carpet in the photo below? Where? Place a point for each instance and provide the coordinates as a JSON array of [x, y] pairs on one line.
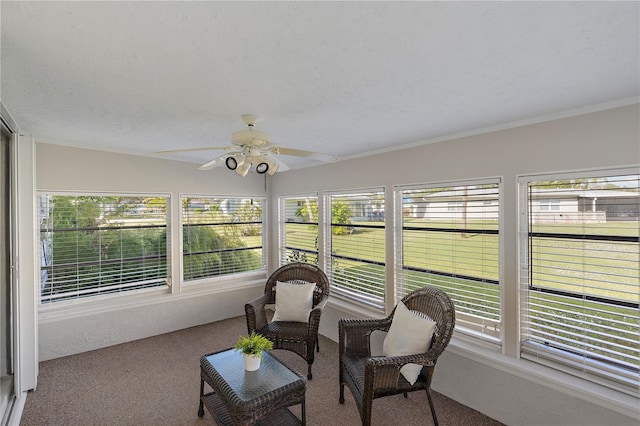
[[157, 381]]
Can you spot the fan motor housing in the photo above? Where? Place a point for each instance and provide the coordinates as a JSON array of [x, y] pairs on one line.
[[254, 138]]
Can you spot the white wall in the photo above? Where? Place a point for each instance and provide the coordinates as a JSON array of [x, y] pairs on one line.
[[95, 326], [496, 384], [513, 391]]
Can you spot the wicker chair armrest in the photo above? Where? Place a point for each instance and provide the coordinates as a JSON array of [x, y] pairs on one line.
[[383, 372], [363, 326], [314, 316], [353, 334], [321, 304], [424, 359], [255, 312]]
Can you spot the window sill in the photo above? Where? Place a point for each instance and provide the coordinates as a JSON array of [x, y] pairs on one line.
[[81, 308]]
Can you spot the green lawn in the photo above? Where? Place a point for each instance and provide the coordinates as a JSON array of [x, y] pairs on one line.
[[554, 319], [621, 228], [615, 265]]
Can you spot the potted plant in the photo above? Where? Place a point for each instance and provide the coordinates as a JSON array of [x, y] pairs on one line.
[[252, 346]]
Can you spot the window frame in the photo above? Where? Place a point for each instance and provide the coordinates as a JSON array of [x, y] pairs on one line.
[[226, 276], [130, 289], [558, 358], [361, 298], [283, 220], [487, 331]]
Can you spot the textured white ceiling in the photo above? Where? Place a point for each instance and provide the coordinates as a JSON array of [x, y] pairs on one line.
[[343, 78]]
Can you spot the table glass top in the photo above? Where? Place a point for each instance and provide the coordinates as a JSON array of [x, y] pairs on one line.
[[248, 385]]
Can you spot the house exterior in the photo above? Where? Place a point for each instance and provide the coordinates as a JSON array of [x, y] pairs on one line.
[[549, 205], [592, 205]]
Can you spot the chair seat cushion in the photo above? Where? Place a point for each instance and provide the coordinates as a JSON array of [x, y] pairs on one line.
[[293, 301], [409, 334]]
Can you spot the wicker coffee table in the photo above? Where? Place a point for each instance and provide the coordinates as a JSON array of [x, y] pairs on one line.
[[260, 397]]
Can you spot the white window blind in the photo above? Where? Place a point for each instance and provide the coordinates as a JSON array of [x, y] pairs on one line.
[[221, 236], [580, 274], [449, 238], [357, 246], [101, 244], [299, 229]]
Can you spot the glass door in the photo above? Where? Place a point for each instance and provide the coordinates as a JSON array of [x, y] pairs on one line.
[[7, 299]]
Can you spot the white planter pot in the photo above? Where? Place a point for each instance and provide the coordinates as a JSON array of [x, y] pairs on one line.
[[251, 362]]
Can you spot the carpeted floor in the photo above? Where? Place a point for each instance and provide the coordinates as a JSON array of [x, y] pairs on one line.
[[156, 381]]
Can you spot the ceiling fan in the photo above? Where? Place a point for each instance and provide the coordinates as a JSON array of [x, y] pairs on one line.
[[252, 147]]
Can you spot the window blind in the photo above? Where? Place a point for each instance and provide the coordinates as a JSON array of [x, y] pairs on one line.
[[449, 238], [299, 229], [580, 274], [357, 246], [221, 236], [101, 244]]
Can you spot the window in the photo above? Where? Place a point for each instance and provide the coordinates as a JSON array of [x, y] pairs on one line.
[[299, 229], [455, 249], [96, 244], [454, 206], [580, 274], [357, 246], [221, 236], [548, 205]]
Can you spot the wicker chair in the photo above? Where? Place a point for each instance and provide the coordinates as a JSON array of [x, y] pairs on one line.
[[378, 376], [297, 337]]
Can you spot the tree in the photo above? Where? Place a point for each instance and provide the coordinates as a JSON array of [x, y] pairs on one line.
[[251, 214], [206, 255], [340, 214]]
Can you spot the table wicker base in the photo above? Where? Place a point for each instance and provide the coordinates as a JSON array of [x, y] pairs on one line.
[[260, 397], [219, 411]]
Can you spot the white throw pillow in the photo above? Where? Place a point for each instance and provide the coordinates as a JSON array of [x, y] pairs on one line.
[[293, 301], [376, 342], [409, 334]]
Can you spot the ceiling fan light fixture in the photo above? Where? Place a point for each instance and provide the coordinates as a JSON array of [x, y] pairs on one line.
[[243, 168], [273, 169], [231, 163], [262, 167], [252, 148], [234, 160], [266, 164]]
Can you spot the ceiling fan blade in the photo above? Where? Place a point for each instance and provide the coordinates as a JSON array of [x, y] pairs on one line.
[[213, 163], [301, 153], [207, 148]]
